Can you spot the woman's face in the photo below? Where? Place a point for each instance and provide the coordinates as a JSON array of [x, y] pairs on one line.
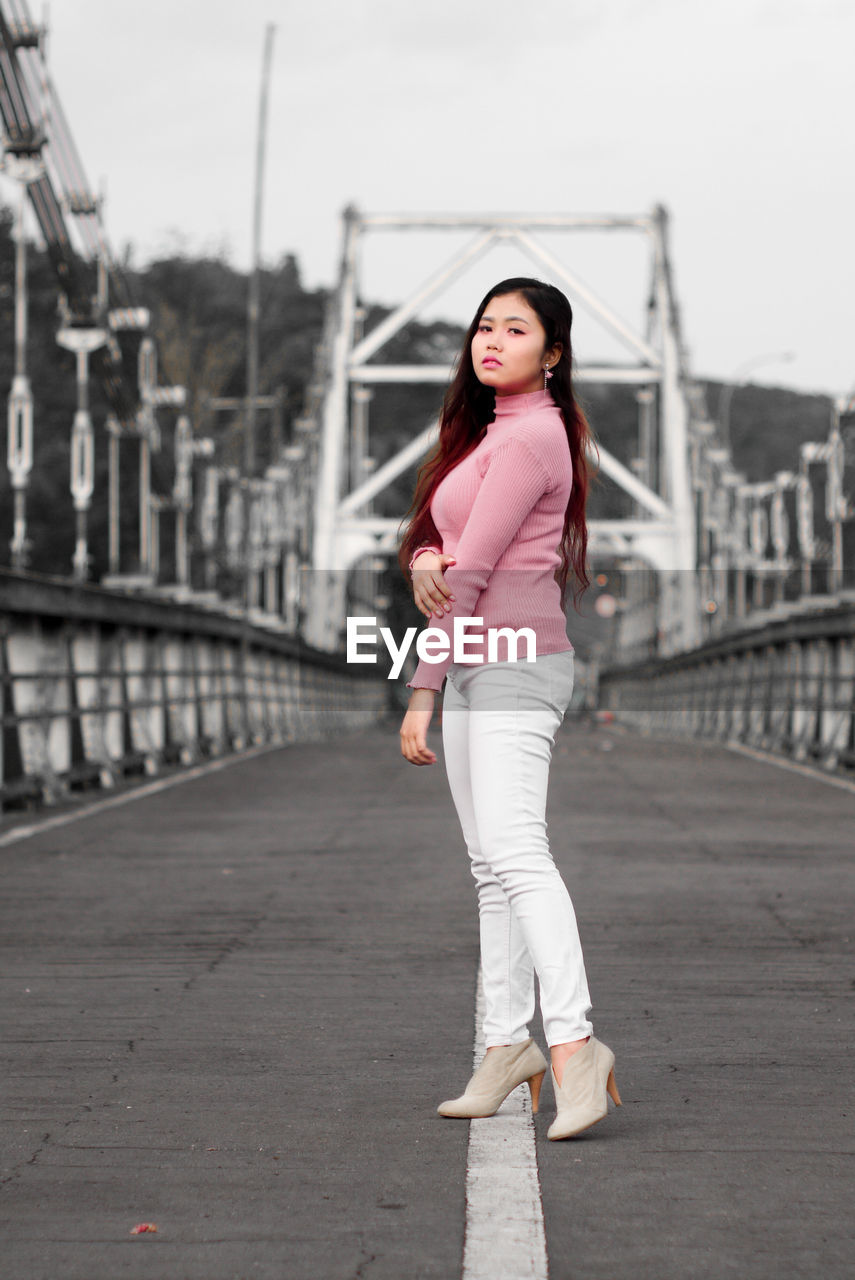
[[509, 347]]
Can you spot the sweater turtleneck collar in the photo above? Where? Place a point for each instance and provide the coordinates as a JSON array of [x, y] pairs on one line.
[[512, 406]]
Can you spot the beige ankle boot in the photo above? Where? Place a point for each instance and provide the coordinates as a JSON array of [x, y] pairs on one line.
[[581, 1097], [501, 1070]]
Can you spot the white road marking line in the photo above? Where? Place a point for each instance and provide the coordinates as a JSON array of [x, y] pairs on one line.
[[505, 1237], [138, 793], [805, 770]]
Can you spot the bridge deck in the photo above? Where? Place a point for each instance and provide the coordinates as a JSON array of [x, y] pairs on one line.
[[230, 1009]]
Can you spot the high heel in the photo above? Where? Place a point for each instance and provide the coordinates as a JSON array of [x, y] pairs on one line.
[[581, 1098], [612, 1089], [534, 1086], [501, 1070]]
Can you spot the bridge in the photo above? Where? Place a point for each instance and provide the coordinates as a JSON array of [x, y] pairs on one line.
[[204, 821], [730, 601]]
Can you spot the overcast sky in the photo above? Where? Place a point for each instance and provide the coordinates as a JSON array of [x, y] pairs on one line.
[[735, 114]]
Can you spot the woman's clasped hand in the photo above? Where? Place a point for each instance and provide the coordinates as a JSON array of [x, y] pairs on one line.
[[431, 592]]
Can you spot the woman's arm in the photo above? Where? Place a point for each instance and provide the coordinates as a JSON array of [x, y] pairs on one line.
[[514, 481], [415, 726]]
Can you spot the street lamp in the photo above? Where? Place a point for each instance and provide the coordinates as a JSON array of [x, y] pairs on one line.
[[738, 379], [82, 341], [26, 168]]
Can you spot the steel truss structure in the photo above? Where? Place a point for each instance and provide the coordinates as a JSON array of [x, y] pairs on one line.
[[254, 523], [96, 303], [293, 549], [662, 533]]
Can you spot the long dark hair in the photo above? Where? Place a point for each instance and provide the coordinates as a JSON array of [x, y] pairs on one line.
[[469, 406]]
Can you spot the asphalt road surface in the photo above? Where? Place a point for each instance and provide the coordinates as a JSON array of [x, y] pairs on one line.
[[230, 1008]]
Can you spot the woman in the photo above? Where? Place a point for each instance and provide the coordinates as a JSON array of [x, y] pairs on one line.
[[498, 521]]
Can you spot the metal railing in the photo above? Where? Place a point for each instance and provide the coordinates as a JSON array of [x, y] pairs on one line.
[[96, 686], [787, 687]]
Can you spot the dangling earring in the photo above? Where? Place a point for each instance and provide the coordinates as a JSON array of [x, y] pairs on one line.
[[546, 376]]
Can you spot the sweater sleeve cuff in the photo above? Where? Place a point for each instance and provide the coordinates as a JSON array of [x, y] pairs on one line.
[[428, 675], [418, 551]]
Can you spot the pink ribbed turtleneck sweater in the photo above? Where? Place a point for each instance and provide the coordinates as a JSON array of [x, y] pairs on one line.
[[500, 512]]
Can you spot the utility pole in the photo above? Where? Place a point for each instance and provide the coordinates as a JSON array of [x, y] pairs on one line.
[[253, 304]]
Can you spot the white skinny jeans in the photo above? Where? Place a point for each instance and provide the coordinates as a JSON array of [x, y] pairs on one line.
[[498, 725]]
